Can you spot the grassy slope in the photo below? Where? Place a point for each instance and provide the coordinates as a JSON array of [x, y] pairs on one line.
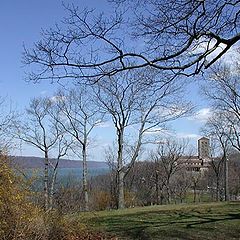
[[201, 221]]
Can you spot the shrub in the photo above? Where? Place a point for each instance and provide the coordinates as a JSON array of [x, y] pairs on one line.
[[16, 212], [100, 200], [20, 219]]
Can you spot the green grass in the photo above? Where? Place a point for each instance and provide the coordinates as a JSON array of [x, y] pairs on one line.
[[199, 221]]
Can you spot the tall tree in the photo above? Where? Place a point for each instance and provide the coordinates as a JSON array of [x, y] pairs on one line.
[[39, 130], [79, 116], [137, 104], [218, 130], [177, 36], [224, 95]]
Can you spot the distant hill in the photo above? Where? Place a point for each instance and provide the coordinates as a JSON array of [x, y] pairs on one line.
[[37, 162]]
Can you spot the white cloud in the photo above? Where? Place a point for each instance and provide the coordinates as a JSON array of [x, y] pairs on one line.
[[202, 115], [156, 130], [187, 135], [204, 44], [229, 57], [56, 98], [106, 124]]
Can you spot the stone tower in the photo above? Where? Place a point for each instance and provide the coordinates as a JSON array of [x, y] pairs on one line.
[[203, 148]]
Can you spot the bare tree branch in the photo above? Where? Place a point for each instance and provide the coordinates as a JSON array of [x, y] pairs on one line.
[[181, 37]]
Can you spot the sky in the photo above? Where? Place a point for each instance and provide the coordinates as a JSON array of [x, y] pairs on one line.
[[21, 23]]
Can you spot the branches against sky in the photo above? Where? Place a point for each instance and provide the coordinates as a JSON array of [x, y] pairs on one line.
[[174, 36]]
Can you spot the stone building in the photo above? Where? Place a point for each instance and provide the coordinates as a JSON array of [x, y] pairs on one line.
[[201, 162], [203, 148]]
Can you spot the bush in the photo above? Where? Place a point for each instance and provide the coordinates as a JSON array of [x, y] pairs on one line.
[[16, 213], [20, 219], [100, 200]]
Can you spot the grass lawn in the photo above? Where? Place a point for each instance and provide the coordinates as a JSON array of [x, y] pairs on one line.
[[200, 221]]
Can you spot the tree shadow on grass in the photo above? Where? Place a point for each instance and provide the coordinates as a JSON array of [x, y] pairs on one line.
[[164, 225], [205, 220]]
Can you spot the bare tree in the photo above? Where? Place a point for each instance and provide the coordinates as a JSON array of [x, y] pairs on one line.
[[79, 116], [196, 178], [224, 95], [181, 185], [168, 159], [141, 183], [40, 131], [177, 36], [234, 175], [110, 156], [62, 146], [137, 104], [218, 130]]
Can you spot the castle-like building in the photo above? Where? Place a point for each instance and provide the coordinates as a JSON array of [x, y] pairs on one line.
[[203, 148], [201, 162]]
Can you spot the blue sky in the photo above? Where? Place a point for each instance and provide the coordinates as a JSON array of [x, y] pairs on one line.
[[21, 22]]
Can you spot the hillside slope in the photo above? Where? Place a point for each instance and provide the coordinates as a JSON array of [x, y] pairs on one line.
[[195, 221], [37, 162]]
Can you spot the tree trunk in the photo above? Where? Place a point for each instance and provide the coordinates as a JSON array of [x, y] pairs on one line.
[[46, 183], [157, 189], [120, 173], [121, 200], [85, 183], [168, 195], [226, 186], [52, 191], [168, 190], [113, 189], [53, 185], [194, 192], [217, 190]]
